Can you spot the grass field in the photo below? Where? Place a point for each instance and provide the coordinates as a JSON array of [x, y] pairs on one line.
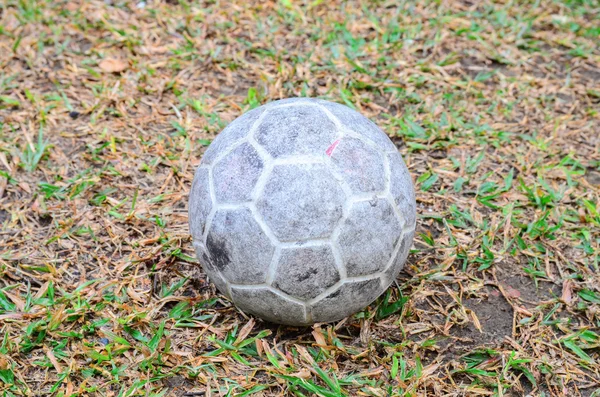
[[107, 106]]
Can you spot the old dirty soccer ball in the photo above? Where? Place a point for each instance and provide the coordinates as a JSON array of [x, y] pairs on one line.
[[302, 211]]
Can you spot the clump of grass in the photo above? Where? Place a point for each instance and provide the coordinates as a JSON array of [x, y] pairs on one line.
[[34, 152]]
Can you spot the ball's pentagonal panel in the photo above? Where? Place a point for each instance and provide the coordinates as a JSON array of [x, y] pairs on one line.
[[349, 298], [360, 165], [238, 247], [361, 125], [214, 275], [302, 211], [368, 237], [305, 272], [236, 174], [392, 272], [237, 130], [401, 188], [200, 203], [302, 201], [294, 130], [269, 305]]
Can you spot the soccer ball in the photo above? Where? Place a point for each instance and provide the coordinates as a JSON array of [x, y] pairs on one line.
[[302, 211]]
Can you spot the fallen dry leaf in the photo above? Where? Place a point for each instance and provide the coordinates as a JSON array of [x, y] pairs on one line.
[[475, 320], [111, 65], [53, 360], [319, 338], [303, 373], [567, 292]]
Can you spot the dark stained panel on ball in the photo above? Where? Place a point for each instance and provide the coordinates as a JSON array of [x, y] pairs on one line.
[[213, 274], [238, 247], [305, 272]]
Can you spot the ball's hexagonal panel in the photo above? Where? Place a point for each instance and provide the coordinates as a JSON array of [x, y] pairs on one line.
[[235, 175], [368, 237], [213, 274], [200, 203], [237, 130], [359, 124], [401, 188], [296, 130], [238, 247], [349, 298], [305, 272], [392, 272], [361, 166], [266, 304], [301, 202]]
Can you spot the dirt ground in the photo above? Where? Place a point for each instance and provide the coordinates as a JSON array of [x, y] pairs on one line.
[[107, 106]]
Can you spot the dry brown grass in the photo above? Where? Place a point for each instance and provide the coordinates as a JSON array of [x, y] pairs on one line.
[[106, 108]]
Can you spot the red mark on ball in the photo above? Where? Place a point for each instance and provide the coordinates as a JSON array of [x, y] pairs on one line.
[[331, 148]]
